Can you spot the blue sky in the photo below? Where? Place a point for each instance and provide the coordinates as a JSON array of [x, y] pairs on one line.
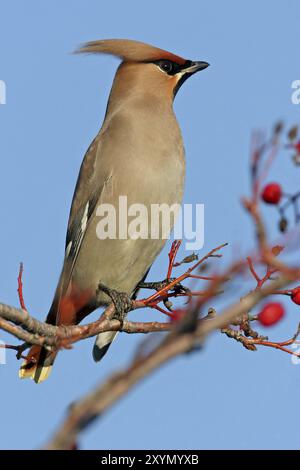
[[224, 396]]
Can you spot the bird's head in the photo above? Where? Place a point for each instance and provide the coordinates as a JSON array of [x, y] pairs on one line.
[[152, 69]]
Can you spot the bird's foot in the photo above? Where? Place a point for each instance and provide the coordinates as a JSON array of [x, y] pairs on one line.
[[153, 285], [122, 302], [178, 288]]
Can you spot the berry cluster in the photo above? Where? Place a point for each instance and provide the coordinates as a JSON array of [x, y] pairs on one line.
[[273, 194]]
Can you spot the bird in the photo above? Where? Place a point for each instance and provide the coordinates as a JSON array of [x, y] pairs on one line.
[[138, 153]]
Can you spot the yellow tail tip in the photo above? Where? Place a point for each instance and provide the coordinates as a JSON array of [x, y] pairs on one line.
[[36, 373]]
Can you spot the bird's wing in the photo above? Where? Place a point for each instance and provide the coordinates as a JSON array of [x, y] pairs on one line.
[[88, 189], [86, 195]]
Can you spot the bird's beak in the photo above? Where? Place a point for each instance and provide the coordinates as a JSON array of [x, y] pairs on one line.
[[196, 67], [187, 72]]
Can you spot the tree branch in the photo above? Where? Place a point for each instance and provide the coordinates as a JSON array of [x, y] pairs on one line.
[[93, 405]]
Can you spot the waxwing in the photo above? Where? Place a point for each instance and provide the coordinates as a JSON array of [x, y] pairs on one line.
[[138, 155]]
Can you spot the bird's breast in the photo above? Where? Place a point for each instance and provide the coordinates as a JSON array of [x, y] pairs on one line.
[[146, 160]]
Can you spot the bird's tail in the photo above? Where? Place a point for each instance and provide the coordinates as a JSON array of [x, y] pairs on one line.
[[38, 365], [102, 343], [66, 310]]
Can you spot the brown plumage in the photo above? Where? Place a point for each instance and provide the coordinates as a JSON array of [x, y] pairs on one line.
[[138, 153], [129, 51]]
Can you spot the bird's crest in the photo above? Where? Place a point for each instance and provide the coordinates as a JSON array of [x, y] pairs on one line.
[[129, 50]]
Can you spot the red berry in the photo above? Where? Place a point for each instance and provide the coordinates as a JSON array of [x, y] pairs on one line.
[[295, 295], [297, 147], [271, 314], [272, 193], [178, 315]]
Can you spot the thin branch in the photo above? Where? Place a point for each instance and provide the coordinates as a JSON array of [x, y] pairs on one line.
[[20, 287], [34, 331]]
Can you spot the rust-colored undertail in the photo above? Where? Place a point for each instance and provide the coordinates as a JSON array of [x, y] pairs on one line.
[[71, 310]]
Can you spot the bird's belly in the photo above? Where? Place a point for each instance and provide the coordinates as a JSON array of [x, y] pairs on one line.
[[121, 258]]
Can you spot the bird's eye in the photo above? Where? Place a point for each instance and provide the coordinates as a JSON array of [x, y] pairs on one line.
[[166, 65]]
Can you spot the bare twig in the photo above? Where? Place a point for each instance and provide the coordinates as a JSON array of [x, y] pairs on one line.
[[20, 287]]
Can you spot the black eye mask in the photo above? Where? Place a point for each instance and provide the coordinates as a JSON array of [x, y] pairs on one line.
[[171, 68]]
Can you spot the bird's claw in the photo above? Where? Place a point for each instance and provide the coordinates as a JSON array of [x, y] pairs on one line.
[[177, 288], [153, 285], [122, 302], [180, 289]]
